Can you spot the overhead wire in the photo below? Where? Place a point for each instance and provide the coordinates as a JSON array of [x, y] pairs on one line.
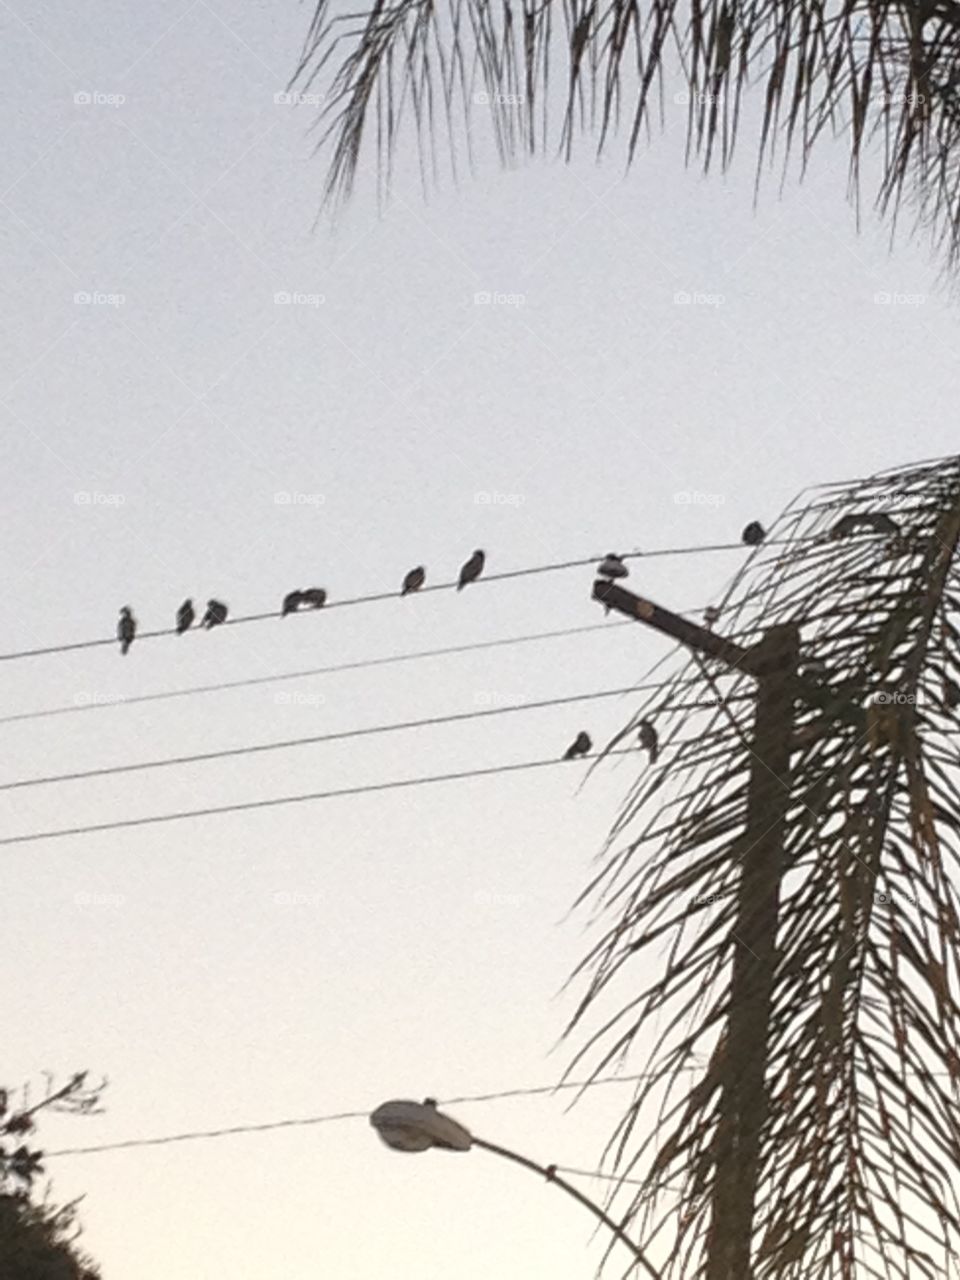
[[340, 735], [305, 1121], [304, 797], [314, 739], [330, 669], [377, 597]]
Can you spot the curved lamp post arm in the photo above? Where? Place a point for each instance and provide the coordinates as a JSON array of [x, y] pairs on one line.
[[550, 1174]]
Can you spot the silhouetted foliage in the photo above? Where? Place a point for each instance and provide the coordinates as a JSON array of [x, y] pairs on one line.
[[852, 1122], [883, 73], [37, 1239]]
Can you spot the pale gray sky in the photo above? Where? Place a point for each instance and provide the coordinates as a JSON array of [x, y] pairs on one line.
[[425, 943]]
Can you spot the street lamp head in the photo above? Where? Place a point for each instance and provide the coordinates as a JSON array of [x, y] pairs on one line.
[[415, 1126]]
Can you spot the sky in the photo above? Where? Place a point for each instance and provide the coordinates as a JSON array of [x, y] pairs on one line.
[[209, 393]]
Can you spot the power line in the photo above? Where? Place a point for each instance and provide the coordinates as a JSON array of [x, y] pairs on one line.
[[245, 806], [198, 1135], [75, 708], [385, 595], [305, 1121], [313, 739]]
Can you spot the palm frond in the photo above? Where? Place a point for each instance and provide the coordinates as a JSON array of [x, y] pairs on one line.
[[852, 1067], [885, 72]]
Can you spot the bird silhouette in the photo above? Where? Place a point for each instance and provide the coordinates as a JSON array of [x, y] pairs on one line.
[[877, 521], [578, 747], [951, 693], [216, 613], [314, 597], [612, 566], [649, 740], [291, 603], [754, 533], [185, 617], [472, 570], [126, 628], [414, 580], [711, 615]]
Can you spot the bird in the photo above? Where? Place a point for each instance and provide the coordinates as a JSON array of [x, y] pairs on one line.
[[216, 613], [649, 740], [126, 628], [578, 747], [612, 566], [313, 597], [754, 533], [472, 570], [710, 615], [291, 603], [414, 580], [185, 617], [951, 693], [878, 521]]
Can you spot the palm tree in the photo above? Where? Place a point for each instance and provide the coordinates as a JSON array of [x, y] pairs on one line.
[[868, 70], [786, 882], [806, 942]]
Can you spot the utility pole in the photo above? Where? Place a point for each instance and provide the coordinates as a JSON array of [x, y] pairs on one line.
[[773, 662]]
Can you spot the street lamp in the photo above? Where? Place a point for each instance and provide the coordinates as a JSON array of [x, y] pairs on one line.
[[416, 1126]]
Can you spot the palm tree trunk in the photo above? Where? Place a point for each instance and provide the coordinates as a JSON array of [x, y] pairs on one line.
[[743, 1105]]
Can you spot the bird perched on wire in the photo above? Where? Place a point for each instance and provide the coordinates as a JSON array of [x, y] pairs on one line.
[[578, 747], [126, 628], [649, 740], [313, 597], [216, 613], [472, 570], [185, 617], [711, 614], [754, 533], [877, 521], [291, 603], [612, 567], [414, 580]]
